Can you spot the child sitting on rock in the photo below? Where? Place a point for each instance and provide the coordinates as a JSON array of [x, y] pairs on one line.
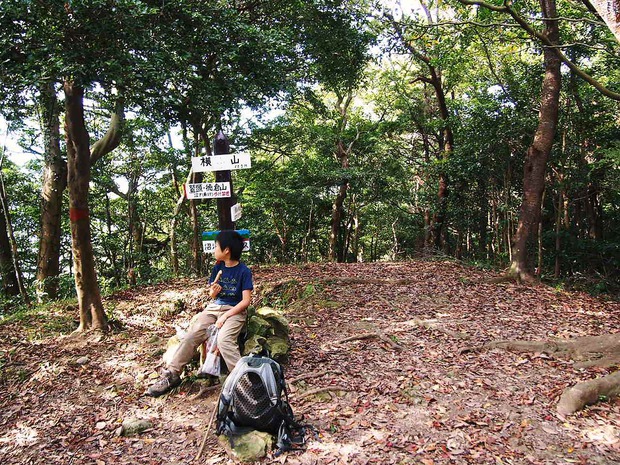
[[232, 294]]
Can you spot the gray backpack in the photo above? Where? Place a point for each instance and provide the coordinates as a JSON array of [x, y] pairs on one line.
[[254, 397]]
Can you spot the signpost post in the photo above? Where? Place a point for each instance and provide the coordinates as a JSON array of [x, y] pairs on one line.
[[228, 210], [221, 146]]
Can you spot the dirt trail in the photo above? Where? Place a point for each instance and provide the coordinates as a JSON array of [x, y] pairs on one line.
[[380, 343]]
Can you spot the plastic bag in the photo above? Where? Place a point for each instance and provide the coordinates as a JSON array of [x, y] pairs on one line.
[[211, 366]]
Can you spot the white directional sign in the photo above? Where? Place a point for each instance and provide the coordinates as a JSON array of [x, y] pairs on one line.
[[235, 212], [209, 246], [207, 190], [231, 161]]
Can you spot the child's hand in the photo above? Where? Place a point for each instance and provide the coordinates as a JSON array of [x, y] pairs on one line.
[[214, 290], [221, 320]]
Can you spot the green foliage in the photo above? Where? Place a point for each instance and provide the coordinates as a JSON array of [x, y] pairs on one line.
[[43, 321], [198, 67]]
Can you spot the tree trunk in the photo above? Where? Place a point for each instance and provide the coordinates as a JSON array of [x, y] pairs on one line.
[[337, 208], [92, 314], [439, 219], [4, 208], [54, 184], [10, 285], [342, 154], [79, 162], [610, 12], [538, 152], [174, 253]]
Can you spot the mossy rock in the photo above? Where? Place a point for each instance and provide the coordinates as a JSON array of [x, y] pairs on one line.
[[278, 348], [172, 309], [276, 320], [249, 447], [259, 326], [254, 344]]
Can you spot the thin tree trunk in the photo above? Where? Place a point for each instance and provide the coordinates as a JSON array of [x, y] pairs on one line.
[[540, 240], [8, 273], [342, 154], [439, 220], [4, 206], [54, 184], [558, 242], [538, 152]]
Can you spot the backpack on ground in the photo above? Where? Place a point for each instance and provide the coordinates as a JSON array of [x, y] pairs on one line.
[[254, 397]]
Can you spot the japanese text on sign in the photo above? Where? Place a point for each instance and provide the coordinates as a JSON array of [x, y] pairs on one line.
[[207, 190], [235, 212], [208, 240], [209, 246], [231, 161]]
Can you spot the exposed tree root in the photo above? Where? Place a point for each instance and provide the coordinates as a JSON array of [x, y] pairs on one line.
[[589, 392], [589, 351], [315, 374], [377, 335], [312, 392], [205, 391], [434, 325]]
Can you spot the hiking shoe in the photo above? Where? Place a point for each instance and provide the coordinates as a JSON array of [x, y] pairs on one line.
[[166, 383]]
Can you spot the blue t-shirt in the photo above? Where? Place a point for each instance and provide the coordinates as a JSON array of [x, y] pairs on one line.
[[234, 281]]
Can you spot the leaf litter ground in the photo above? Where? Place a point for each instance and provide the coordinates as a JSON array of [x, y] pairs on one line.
[[377, 366]]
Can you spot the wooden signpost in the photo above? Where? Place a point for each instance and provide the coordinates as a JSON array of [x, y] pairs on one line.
[[228, 210]]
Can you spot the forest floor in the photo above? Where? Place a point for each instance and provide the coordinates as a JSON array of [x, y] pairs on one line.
[[404, 390]]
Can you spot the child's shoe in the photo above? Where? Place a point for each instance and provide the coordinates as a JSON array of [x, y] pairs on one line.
[[166, 383]]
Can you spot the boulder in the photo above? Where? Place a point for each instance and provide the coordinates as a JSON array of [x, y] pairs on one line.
[[278, 348], [254, 344], [259, 326], [275, 320], [249, 447]]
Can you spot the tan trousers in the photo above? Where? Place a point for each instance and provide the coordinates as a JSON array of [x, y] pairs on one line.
[[197, 334]]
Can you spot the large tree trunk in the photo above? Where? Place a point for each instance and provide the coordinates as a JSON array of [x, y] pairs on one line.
[[79, 162], [54, 184], [92, 314], [538, 152]]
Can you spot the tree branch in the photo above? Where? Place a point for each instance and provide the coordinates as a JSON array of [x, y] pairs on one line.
[[112, 137], [545, 40]]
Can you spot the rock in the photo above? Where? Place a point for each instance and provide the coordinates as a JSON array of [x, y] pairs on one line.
[[259, 326], [82, 360], [254, 344], [171, 348], [276, 320], [278, 348], [171, 309], [249, 447], [133, 426]]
